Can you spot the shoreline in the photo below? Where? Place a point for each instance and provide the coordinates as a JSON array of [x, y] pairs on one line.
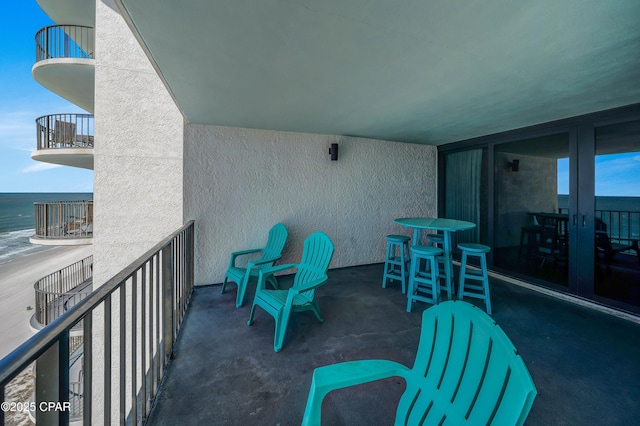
[[17, 278]]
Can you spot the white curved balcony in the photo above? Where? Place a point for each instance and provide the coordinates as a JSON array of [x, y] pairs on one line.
[[65, 63], [63, 223], [58, 292], [79, 12], [65, 139]]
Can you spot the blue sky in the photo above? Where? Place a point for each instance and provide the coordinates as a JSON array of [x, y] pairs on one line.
[[616, 175], [22, 100]]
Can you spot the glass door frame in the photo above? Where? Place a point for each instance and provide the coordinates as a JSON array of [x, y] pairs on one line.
[[581, 224]]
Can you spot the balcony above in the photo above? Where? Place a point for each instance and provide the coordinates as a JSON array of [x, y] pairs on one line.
[[63, 223], [65, 63], [79, 12], [65, 139]]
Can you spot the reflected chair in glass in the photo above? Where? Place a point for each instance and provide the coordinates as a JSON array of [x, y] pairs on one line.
[[609, 249]]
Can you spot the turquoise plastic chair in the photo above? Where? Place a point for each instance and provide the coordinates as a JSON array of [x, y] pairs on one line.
[[269, 254], [311, 273], [466, 372]]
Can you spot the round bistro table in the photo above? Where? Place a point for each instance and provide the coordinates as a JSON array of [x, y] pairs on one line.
[[447, 226]]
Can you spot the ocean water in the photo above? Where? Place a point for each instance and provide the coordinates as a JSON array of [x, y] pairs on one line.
[[17, 220]]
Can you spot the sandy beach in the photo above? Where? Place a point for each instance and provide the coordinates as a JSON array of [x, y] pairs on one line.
[[17, 295]]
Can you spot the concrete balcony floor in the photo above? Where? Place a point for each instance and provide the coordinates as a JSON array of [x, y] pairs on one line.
[[585, 364]]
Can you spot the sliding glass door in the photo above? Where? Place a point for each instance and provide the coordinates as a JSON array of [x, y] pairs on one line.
[[559, 204], [617, 213], [531, 193]]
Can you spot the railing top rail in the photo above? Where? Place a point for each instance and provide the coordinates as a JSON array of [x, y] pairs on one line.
[[71, 114], [39, 203], [63, 293], [62, 26], [30, 350], [87, 262]]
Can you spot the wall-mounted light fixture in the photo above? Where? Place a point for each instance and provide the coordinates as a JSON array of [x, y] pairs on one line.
[[333, 151], [515, 165]]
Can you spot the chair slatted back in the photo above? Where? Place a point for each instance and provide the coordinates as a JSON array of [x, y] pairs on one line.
[[466, 371], [316, 257], [275, 243]]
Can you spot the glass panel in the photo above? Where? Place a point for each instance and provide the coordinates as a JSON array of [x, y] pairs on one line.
[[617, 204], [530, 228]]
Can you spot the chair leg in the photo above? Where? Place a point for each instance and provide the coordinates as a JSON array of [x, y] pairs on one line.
[[253, 310], [242, 289], [224, 284], [316, 310], [271, 279], [282, 321]]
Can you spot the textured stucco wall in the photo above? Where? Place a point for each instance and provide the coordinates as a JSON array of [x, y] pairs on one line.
[[533, 188], [240, 182], [138, 177], [138, 150]]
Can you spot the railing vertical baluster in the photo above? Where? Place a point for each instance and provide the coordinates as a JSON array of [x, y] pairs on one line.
[[159, 299], [123, 351], [152, 325], [143, 342], [2, 395], [107, 360], [134, 349], [168, 304], [63, 381], [87, 369]]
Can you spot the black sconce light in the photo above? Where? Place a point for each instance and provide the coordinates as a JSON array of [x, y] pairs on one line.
[[515, 164], [333, 151]]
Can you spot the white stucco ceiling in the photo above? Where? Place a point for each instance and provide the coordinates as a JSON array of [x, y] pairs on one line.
[[425, 71]]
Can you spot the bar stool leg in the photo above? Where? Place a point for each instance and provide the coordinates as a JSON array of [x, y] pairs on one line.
[[412, 284], [485, 280], [479, 291], [463, 269]]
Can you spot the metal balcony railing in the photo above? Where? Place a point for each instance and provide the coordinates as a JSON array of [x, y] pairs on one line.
[[138, 314], [64, 131], [64, 220], [64, 41], [60, 291], [621, 225]]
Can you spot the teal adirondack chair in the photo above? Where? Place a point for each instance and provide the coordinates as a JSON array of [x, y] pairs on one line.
[[268, 255], [466, 372], [311, 273]]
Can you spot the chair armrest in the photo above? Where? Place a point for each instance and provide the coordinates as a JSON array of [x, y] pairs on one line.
[[235, 254], [278, 268], [266, 260], [264, 273], [309, 286], [337, 376]]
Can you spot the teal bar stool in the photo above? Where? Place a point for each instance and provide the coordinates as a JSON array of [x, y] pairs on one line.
[[437, 240], [424, 283], [396, 263], [479, 291]]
